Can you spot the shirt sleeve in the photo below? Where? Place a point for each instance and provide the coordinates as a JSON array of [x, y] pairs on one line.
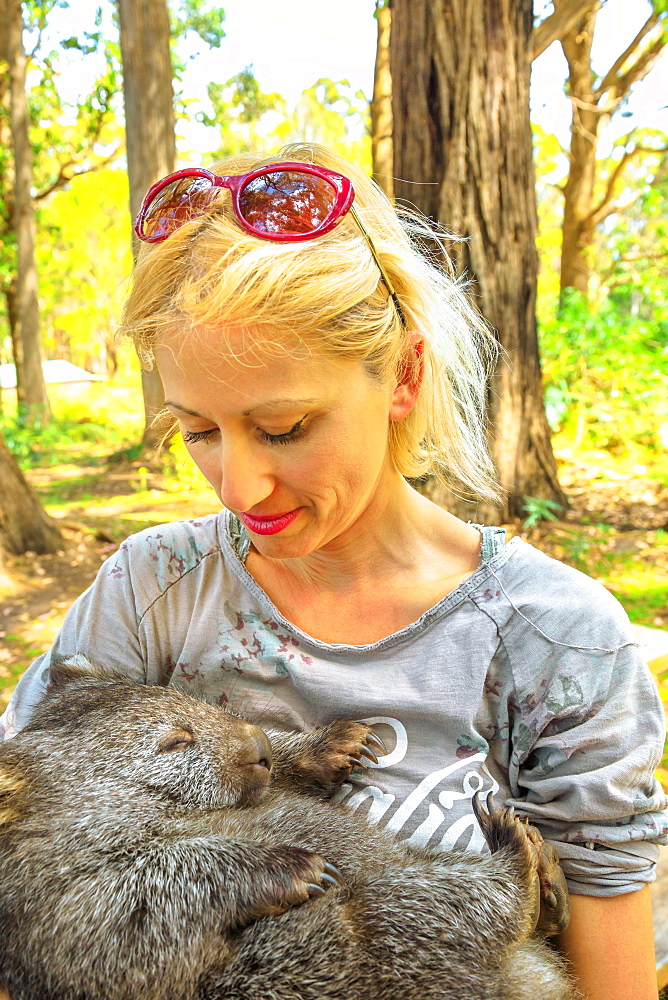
[[584, 757], [586, 731], [580, 721], [102, 625]]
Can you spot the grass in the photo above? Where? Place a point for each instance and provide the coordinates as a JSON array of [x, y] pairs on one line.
[[633, 565]]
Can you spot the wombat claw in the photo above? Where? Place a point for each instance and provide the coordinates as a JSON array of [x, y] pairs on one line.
[[376, 740], [503, 828], [331, 876], [365, 750], [336, 749]]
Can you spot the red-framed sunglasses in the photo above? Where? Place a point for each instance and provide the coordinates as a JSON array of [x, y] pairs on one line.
[[287, 202]]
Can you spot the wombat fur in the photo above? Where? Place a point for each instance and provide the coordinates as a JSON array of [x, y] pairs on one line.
[[148, 853]]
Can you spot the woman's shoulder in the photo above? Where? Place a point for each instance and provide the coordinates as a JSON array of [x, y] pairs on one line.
[[169, 551], [534, 571], [533, 596]]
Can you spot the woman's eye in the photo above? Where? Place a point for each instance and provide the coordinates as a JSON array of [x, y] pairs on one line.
[[293, 434], [190, 436]]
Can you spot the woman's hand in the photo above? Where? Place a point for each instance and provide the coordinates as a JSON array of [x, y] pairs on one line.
[[610, 944]]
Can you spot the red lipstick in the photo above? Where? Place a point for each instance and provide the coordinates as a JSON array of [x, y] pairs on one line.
[[269, 524]]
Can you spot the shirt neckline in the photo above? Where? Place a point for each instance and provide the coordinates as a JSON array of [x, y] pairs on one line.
[[231, 530]]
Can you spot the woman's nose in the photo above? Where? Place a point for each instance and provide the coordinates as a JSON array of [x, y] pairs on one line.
[[245, 480]]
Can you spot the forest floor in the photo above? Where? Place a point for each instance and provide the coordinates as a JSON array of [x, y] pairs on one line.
[[616, 530]]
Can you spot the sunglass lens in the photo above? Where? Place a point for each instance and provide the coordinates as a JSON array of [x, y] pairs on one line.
[[286, 202], [177, 203]]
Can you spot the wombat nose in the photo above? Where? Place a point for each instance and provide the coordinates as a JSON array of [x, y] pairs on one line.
[[262, 747]]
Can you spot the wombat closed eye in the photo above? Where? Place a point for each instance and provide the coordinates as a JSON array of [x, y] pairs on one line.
[[154, 847]]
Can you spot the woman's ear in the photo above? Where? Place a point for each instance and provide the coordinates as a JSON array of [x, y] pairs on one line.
[[411, 372]]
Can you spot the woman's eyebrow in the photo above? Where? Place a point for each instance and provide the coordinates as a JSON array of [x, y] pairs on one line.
[[279, 402], [184, 409], [246, 413]]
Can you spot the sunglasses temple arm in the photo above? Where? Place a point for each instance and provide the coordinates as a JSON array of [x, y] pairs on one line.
[[374, 253]]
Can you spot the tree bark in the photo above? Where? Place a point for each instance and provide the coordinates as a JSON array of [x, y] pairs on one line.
[[593, 103], [31, 389], [558, 23], [463, 148], [577, 227], [24, 524], [149, 126], [381, 104]]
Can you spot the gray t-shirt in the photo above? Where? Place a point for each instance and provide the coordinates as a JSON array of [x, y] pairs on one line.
[[525, 681]]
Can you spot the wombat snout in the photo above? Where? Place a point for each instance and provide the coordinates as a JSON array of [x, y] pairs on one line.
[[256, 757]]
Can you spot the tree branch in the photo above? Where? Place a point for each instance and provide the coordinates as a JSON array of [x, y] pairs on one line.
[[558, 23], [64, 177], [612, 81], [614, 207], [631, 258], [600, 212]]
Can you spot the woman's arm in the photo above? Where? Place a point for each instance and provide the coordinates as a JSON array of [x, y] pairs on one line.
[[610, 945]]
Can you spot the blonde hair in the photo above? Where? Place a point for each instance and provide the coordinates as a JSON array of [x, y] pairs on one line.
[[328, 294]]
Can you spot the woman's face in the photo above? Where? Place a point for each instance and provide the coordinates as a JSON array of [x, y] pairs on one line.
[[295, 446]]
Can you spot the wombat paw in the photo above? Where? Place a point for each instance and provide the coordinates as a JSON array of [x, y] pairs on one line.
[[299, 875], [539, 861], [339, 747]]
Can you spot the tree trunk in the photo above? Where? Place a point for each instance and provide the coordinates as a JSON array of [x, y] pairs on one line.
[[149, 126], [463, 151], [578, 227], [381, 104], [31, 390], [24, 525]]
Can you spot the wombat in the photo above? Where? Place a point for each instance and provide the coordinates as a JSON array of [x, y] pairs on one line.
[[155, 847]]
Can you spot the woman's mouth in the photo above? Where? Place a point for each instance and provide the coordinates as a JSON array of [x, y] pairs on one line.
[[269, 524]]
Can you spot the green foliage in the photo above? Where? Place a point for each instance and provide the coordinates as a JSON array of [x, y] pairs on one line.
[[188, 18], [245, 117], [193, 15], [606, 373], [631, 205], [239, 107], [540, 509], [329, 113], [67, 137], [85, 429], [36, 446], [84, 262]]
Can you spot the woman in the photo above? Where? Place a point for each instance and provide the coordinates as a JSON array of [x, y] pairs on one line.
[[311, 370]]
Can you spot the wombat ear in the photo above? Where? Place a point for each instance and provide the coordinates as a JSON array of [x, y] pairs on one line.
[[11, 782], [74, 668]]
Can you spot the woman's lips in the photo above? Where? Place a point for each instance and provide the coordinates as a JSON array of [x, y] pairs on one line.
[[269, 524]]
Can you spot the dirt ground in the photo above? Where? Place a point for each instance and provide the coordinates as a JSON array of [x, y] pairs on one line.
[[36, 591]]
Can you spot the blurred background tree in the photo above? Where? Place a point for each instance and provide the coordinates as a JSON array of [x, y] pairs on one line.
[[46, 145]]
